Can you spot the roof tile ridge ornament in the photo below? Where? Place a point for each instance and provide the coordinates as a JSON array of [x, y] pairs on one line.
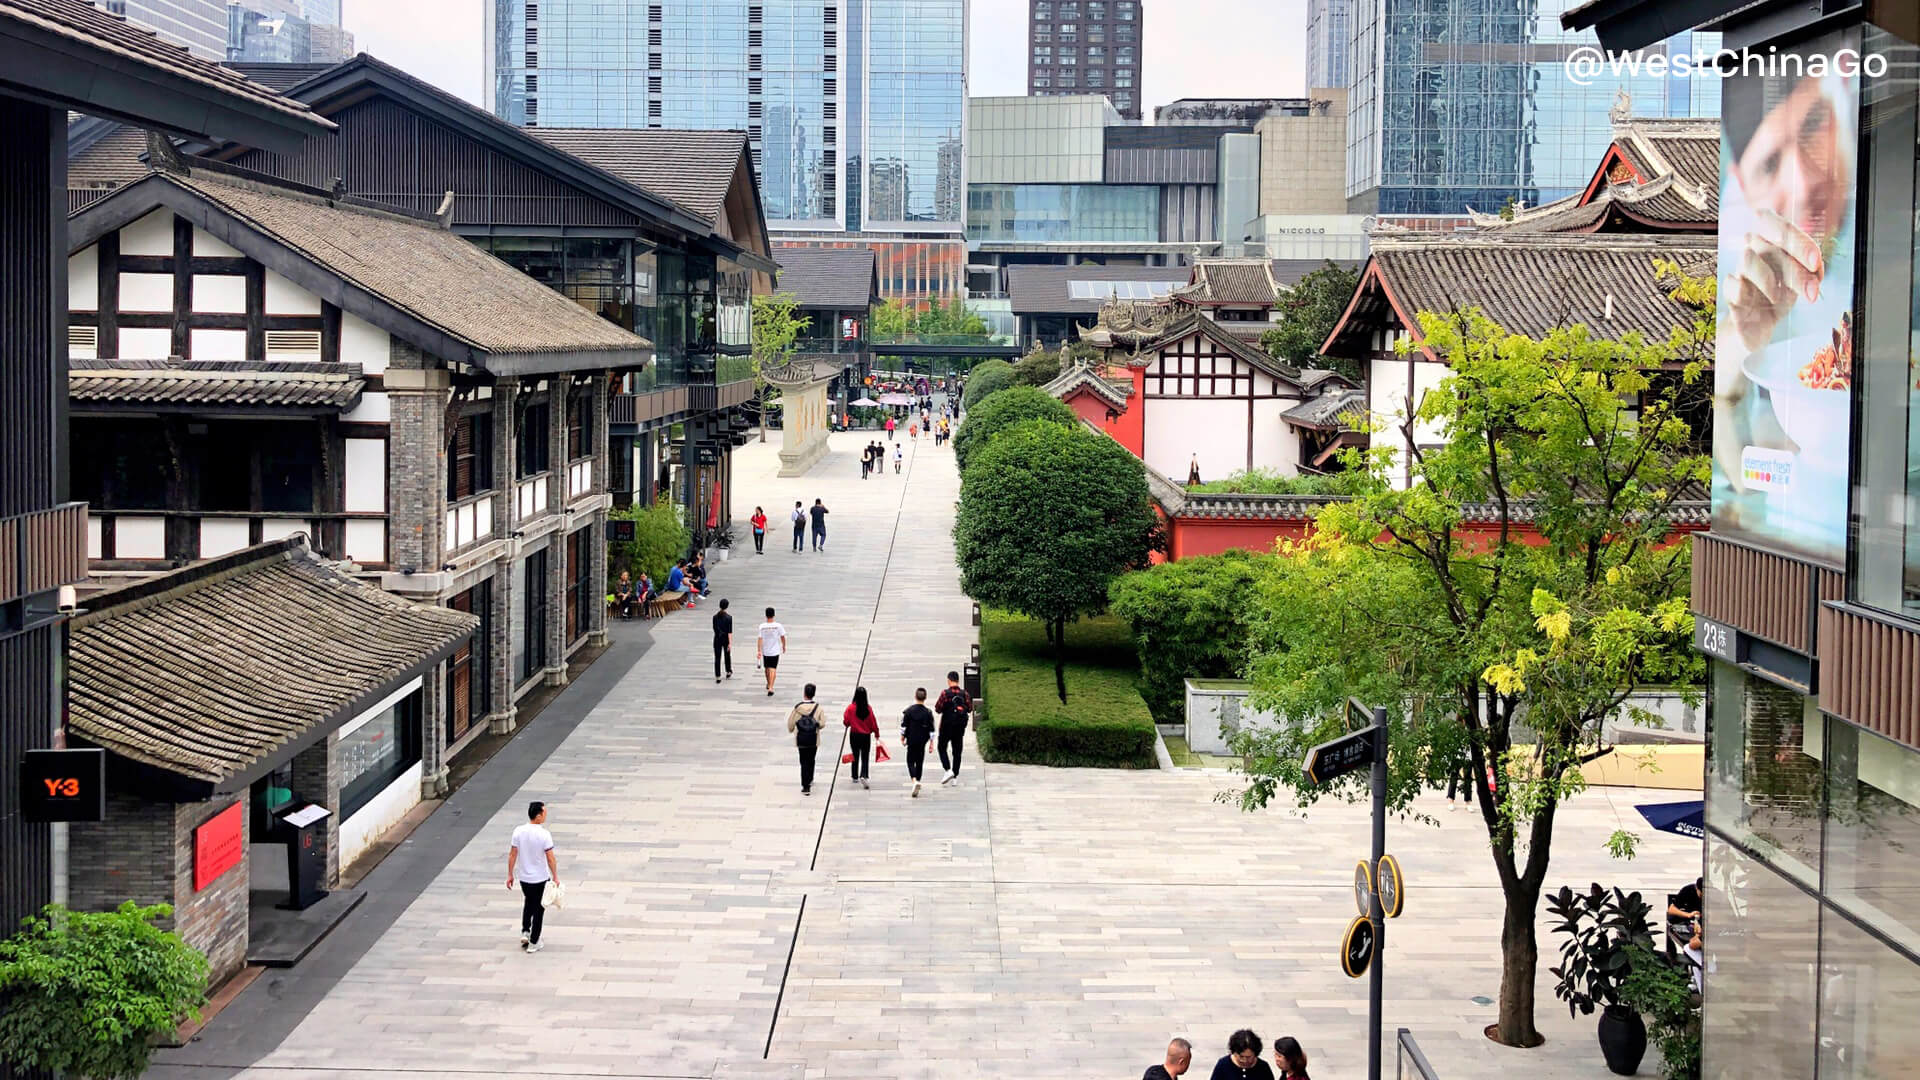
[[444, 213], [162, 156], [1621, 111]]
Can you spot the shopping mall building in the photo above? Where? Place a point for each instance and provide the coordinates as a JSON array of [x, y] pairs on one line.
[[1807, 585]]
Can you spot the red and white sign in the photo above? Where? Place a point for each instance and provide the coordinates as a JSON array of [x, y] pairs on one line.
[[218, 846]]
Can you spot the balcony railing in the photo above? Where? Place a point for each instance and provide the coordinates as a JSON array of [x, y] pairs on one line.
[[531, 496], [976, 341], [579, 478], [42, 550], [469, 521]]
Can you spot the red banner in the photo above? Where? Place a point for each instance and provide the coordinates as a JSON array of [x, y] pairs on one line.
[[217, 846], [713, 508]]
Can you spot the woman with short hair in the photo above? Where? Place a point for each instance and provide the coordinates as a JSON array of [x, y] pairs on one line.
[[1243, 1059]]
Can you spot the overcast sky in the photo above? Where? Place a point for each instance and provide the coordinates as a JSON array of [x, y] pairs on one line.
[[1190, 48]]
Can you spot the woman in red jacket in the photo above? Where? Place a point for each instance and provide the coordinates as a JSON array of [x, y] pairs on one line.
[[759, 521], [862, 726]]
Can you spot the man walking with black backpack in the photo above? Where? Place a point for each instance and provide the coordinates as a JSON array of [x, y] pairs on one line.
[[804, 724], [954, 707]]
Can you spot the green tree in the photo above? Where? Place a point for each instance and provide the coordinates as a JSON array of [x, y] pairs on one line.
[[776, 326], [1308, 314], [949, 320], [1049, 516], [659, 537], [89, 993], [1038, 368], [999, 411], [990, 377], [887, 321], [1464, 631], [1191, 619]]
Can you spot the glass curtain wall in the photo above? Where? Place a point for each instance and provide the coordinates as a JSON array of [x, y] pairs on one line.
[[1040, 213], [915, 111]]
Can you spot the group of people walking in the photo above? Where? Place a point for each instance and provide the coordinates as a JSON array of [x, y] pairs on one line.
[[873, 459], [944, 724], [1241, 1061]]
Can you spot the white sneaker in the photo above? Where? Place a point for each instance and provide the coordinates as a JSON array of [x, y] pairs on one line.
[[534, 947], [916, 789], [523, 941], [945, 779], [864, 784]]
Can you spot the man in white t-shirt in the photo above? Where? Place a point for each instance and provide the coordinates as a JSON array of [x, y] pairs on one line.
[[769, 644], [530, 865]]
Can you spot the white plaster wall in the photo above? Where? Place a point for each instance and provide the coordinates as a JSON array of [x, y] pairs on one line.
[[151, 235], [139, 538], [1275, 444], [205, 243], [383, 812], [145, 343], [1178, 428], [94, 542], [146, 292], [286, 298], [1386, 401], [1215, 713], [219, 536], [83, 279], [1427, 377], [281, 528], [366, 475], [363, 343], [373, 407], [367, 541], [223, 294], [217, 344]]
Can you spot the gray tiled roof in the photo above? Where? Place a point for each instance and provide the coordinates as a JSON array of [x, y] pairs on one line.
[[84, 23], [207, 671], [1288, 272], [823, 277], [278, 77], [426, 271], [111, 161], [692, 168], [1198, 322], [1233, 281], [1533, 283], [1078, 376], [1339, 409], [1049, 289], [271, 384]]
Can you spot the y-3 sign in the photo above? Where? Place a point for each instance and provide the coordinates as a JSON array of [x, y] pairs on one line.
[[63, 785]]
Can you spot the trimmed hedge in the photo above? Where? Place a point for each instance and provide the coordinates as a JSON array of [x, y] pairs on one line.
[[986, 378], [1104, 723], [1003, 409]]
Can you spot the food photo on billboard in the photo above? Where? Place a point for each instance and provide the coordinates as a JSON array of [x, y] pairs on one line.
[[1783, 360]]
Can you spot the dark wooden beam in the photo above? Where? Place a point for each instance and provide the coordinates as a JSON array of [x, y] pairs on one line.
[[107, 256], [329, 333], [257, 312], [182, 285]]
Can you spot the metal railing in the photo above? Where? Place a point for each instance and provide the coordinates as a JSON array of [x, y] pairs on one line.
[[42, 550], [1409, 1062]]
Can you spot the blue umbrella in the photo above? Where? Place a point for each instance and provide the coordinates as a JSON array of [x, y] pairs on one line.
[[1684, 818]]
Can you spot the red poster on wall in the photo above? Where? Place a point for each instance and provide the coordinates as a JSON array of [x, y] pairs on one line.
[[713, 508], [217, 846]]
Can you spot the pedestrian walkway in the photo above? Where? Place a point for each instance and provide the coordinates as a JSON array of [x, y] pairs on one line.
[[1029, 922]]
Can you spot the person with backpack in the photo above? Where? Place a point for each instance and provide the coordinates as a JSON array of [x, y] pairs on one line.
[[954, 707], [862, 727], [803, 723], [799, 526], [916, 730]]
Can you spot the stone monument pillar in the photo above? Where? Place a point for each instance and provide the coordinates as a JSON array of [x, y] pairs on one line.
[[804, 410]]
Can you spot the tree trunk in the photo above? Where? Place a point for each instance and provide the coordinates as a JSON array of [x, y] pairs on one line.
[[760, 400], [1519, 963], [1059, 634]]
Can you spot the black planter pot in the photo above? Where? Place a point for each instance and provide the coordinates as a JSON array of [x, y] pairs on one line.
[[1623, 1039]]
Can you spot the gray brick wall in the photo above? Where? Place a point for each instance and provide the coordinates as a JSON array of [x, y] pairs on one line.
[[597, 613], [506, 397], [316, 776], [416, 467], [433, 733], [557, 555], [213, 920]]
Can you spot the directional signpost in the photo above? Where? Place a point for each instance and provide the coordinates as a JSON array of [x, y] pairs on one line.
[[1366, 936]]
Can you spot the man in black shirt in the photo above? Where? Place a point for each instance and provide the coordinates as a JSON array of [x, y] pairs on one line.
[[953, 706], [819, 512], [916, 728], [1685, 905], [722, 641], [1179, 1057]]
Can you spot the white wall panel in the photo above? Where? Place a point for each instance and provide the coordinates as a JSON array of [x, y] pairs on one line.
[[381, 813], [367, 540], [83, 279], [286, 298], [1275, 444], [94, 525], [218, 344], [363, 343], [220, 536], [146, 292], [1214, 429], [151, 235], [223, 294], [373, 407], [281, 528], [205, 243], [145, 343], [366, 476], [139, 538]]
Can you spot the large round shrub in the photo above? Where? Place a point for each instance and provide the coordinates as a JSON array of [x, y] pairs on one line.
[[1189, 621], [999, 411], [988, 378]]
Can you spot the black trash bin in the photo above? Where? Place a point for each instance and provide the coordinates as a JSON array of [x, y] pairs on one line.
[[306, 831], [970, 678]]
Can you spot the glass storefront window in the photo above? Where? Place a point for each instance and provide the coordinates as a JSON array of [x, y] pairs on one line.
[[735, 297], [1760, 937], [1091, 213], [377, 751], [1764, 769], [1873, 831], [1867, 992], [1886, 495]]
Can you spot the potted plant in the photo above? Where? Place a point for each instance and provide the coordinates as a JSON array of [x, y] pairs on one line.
[[1662, 991], [1602, 927]]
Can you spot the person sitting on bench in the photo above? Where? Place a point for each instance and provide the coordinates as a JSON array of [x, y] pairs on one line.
[[623, 595], [697, 574]]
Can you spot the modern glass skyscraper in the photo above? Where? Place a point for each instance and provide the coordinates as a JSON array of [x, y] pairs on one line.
[[1458, 103], [1329, 43], [200, 25], [855, 109]]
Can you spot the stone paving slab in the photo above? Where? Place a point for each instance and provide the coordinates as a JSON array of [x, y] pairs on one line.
[[1026, 922]]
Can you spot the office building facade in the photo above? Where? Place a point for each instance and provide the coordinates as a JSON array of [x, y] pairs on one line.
[[200, 25], [1806, 590], [1329, 43], [1467, 103], [286, 32], [855, 110], [1086, 47]]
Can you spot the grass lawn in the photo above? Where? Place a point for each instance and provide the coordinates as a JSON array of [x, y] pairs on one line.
[[1104, 722]]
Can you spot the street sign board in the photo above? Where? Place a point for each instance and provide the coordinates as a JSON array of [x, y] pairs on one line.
[[1393, 887], [1363, 888], [64, 785], [1359, 717], [1356, 949], [1331, 760]]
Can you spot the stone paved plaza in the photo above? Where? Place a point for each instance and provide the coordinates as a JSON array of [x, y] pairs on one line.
[[1031, 922]]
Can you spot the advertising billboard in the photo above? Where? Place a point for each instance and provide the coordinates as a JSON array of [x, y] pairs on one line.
[[1783, 361]]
